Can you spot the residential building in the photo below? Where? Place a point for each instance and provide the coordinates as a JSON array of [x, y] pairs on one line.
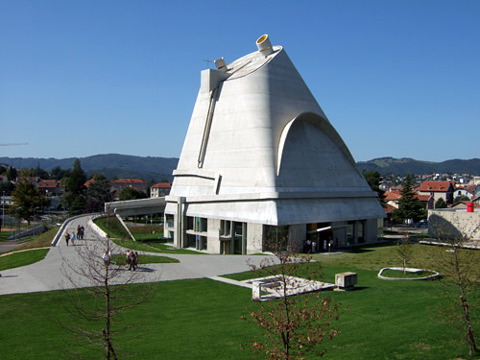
[[160, 189], [438, 189], [117, 185], [51, 187], [464, 190]]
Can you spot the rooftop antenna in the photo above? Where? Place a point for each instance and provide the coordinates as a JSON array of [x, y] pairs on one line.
[[208, 62]]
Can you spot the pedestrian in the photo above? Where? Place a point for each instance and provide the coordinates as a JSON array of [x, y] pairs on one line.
[[309, 246], [106, 257], [127, 258], [135, 261], [73, 238], [67, 237], [131, 260]]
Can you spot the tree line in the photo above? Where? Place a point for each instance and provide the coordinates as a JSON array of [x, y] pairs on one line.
[[28, 201]]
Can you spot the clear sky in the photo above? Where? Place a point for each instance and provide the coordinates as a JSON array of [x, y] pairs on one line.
[[396, 78]]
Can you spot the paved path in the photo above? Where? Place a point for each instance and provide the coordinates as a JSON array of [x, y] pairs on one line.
[[8, 245], [63, 263]]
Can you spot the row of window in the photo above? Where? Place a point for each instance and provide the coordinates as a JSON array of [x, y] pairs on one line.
[[233, 239]]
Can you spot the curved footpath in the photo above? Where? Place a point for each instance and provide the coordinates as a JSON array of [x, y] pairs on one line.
[[53, 272]]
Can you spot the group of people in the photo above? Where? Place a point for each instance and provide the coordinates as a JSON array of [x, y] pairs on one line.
[[311, 246], [80, 232], [72, 237], [132, 260]]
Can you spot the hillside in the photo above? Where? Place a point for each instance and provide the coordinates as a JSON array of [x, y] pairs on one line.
[[159, 168], [403, 166], [110, 165]]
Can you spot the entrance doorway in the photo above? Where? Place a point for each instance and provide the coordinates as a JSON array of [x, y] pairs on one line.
[[239, 238]]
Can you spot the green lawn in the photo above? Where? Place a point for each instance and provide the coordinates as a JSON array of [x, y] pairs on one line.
[[14, 258], [36, 241], [377, 256], [5, 234], [22, 258], [201, 319], [148, 237], [156, 246]]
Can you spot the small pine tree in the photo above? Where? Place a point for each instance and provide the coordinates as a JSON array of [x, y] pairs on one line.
[[409, 207], [440, 204], [374, 179], [75, 200]]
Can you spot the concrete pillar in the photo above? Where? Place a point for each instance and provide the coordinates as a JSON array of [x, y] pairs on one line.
[[180, 223]]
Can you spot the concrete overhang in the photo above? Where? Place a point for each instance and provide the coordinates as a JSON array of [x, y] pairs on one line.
[[136, 207]]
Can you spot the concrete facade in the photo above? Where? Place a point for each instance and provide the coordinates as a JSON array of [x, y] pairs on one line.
[[454, 224], [260, 157]]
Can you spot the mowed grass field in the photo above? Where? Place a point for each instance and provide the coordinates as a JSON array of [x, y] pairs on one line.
[[201, 319]]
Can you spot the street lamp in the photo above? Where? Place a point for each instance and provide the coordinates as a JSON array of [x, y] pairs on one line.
[[3, 209], [17, 230]]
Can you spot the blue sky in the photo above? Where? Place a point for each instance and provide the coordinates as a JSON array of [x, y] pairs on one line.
[[80, 78]]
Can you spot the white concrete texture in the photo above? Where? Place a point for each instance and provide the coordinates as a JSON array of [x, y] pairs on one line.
[[454, 224], [259, 149]]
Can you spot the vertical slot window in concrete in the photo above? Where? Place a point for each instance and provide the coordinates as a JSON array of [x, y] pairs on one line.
[[191, 240], [239, 238], [361, 231], [169, 220], [189, 223], [200, 224], [351, 233], [225, 237], [202, 243], [225, 228]]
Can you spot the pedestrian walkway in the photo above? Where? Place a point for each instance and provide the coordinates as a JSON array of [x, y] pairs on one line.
[[54, 272]]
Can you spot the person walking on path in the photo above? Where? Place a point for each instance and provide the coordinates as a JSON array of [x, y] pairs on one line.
[[106, 257], [67, 237], [80, 232]]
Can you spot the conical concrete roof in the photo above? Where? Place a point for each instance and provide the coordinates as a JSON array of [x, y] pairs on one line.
[[260, 149]]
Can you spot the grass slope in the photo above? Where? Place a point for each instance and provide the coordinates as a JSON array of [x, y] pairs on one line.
[[23, 258], [201, 319]]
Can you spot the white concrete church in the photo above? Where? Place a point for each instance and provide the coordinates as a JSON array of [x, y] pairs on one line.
[[261, 162]]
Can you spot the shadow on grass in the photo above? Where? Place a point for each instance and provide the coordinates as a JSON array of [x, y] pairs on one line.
[[359, 288], [142, 269], [153, 241], [360, 249]]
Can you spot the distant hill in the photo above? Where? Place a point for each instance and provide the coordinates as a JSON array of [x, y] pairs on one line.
[[159, 168], [111, 165], [403, 166]]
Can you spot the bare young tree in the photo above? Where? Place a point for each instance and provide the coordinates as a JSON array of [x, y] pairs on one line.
[[292, 325], [98, 273], [405, 251], [460, 268]]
